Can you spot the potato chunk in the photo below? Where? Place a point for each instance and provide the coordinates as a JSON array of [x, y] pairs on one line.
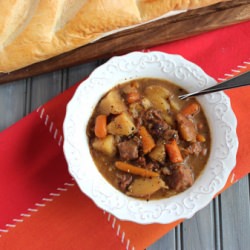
[[122, 125], [144, 187], [158, 153], [168, 119], [112, 103], [131, 88], [158, 95], [106, 145], [174, 103], [145, 103]]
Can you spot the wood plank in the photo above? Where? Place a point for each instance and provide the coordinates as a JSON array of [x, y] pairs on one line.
[[217, 222], [202, 227], [44, 88], [158, 32], [79, 72], [12, 103], [166, 242], [235, 216]]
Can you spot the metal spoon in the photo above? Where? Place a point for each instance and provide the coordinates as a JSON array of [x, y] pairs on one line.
[[235, 82]]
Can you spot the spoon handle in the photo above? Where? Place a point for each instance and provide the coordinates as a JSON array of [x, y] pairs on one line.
[[238, 81]]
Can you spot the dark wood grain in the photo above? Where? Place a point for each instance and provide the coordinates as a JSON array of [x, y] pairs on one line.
[[155, 33]]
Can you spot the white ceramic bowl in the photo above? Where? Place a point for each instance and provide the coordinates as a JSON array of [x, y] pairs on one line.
[[187, 75]]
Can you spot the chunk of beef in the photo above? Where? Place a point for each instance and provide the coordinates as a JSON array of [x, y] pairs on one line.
[[182, 177], [186, 128], [152, 115], [124, 180], [195, 148], [128, 150], [153, 166], [158, 128], [184, 152], [171, 134], [138, 122], [154, 122], [141, 161], [137, 140]]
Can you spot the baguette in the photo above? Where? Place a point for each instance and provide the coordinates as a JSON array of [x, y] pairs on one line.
[[35, 30]]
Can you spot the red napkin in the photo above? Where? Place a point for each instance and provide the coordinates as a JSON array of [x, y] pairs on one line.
[[42, 207]]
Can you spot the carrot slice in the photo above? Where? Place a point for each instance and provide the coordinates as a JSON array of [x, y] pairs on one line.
[[191, 109], [147, 140], [101, 126], [200, 138], [174, 152], [133, 97], [129, 168]]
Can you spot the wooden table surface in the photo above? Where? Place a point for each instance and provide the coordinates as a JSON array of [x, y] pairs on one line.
[[223, 224]]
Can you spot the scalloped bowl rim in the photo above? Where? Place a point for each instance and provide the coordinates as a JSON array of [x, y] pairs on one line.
[[221, 119]]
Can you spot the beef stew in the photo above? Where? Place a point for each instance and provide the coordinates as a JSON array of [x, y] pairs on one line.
[[145, 141]]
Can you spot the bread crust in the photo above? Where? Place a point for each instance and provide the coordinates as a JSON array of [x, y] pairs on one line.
[[13, 14], [150, 9], [49, 33]]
